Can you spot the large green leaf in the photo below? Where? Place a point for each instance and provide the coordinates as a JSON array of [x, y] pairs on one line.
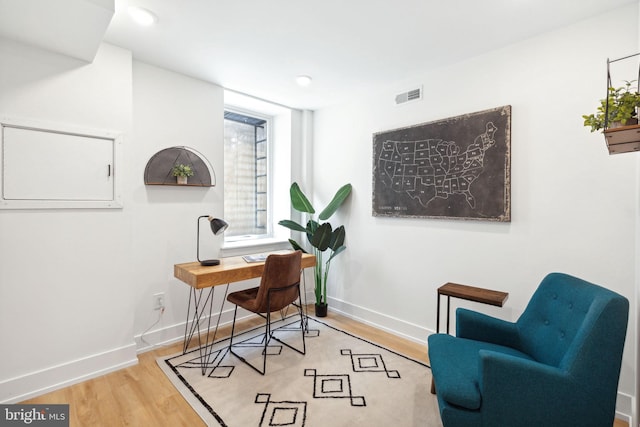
[[292, 225], [337, 238], [336, 202], [312, 226], [296, 246], [322, 237], [336, 252], [299, 201]]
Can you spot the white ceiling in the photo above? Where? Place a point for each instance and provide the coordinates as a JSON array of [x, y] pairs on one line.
[[348, 46]]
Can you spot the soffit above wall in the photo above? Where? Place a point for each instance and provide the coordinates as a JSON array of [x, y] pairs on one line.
[[71, 27]]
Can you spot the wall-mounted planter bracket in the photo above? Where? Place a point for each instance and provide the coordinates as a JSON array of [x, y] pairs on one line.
[[622, 139]]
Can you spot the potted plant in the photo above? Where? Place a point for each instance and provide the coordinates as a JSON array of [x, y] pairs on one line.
[[321, 236], [182, 172], [618, 109]]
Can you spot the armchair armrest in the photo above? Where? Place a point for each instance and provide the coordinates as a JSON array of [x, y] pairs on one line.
[[521, 392], [480, 327]]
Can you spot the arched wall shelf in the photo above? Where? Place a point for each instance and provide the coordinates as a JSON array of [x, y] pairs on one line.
[[159, 168]]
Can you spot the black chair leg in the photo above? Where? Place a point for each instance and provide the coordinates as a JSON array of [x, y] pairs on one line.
[[266, 343], [302, 329], [302, 323], [268, 333], [267, 338], [233, 327]]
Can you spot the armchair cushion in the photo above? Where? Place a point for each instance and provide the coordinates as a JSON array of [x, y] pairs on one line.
[[455, 364]]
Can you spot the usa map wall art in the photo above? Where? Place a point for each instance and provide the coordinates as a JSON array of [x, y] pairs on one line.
[[456, 168]]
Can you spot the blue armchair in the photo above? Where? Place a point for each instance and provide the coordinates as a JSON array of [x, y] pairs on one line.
[[558, 365]]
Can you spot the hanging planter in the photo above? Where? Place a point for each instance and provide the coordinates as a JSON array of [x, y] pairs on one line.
[[617, 115], [623, 139]]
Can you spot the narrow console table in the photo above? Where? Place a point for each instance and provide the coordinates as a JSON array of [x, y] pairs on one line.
[[469, 293]]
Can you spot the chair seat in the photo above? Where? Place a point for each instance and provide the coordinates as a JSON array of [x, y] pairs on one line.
[[456, 368], [245, 298]]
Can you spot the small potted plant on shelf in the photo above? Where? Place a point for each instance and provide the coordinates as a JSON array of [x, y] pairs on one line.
[[618, 109], [321, 236], [182, 173]]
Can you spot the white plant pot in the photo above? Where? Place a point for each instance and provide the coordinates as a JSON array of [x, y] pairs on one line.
[[182, 180]]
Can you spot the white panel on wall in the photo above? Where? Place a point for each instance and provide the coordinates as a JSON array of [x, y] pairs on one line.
[[83, 174]]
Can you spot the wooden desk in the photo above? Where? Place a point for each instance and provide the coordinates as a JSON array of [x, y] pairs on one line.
[[201, 279], [469, 293], [230, 269]]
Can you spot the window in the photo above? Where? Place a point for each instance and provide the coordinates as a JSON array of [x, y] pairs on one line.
[[246, 174], [251, 210]]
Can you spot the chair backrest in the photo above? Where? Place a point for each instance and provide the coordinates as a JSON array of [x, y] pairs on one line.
[[280, 271], [575, 325]]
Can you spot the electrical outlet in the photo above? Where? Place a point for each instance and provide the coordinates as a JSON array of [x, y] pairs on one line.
[[158, 301]]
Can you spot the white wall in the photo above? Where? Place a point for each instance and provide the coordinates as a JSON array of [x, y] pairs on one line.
[[574, 207], [170, 109], [66, 303]]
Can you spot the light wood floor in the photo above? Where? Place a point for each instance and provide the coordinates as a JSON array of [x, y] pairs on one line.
[[142, 395]]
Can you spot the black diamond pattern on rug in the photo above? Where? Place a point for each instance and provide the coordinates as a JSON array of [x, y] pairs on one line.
[[369, 363], [333, 386], [285, 413]]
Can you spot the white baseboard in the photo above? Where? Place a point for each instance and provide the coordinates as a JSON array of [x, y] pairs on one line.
[[159, 337], [624, 407], [175, 333], [39, 382], [382, 321]]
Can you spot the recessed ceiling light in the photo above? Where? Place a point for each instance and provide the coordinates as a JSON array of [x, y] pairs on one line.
[[303, 80], [142, 16]]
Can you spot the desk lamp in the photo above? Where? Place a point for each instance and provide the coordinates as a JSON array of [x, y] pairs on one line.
[[217, 227]]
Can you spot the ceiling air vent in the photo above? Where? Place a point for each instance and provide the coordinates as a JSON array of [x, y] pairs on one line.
[[411, 95]]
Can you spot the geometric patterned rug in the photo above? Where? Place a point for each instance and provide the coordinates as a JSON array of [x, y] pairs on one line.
[[343, 380]]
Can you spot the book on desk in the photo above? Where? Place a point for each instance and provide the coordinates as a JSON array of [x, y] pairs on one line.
[[255, 257], [262, 257]]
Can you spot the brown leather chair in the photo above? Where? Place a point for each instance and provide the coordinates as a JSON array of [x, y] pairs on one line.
[[279, 288]]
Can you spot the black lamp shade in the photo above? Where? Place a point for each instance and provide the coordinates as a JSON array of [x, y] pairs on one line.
[[217, 227]]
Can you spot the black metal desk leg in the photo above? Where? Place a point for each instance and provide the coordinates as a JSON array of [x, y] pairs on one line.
[[195, 311], [198, 309], [438, 315], [214, 362], [448, 308], [308, 332]]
